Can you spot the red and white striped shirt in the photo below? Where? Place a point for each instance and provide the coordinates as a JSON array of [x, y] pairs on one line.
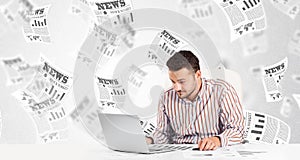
[[216, 111]]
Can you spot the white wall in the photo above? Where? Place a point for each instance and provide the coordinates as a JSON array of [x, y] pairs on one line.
[[68, 32]]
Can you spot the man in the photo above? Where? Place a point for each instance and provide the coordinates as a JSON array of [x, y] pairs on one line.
[[197, 110]]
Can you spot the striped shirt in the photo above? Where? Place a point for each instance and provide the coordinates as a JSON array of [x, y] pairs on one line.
[[216, 111]]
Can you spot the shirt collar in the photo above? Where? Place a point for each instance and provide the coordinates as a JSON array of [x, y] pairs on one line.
[[200, 93]]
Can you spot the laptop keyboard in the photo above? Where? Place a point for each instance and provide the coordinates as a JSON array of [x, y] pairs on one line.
[[168, 147]]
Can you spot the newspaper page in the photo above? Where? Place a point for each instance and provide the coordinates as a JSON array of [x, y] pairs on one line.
[[87, 112], [54, 136], [82, 9], [123, 39], [197, 9], [129, 37], [107, 52], [47, 114], [37, 29], [272, 76], [286, 107], [42, 98], [100, 41], [112, 94], [245, 16], [255, 43], [112, 99], [294, 43], [105, 9], [164, 45], [289, 7], [25, 7], [196, 34], [297, 99], [221, 153], [148, 126], [79, 7], [136, 77], [17, 70], [263, 128]]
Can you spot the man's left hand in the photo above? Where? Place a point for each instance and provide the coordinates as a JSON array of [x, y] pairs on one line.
[[210, 143]]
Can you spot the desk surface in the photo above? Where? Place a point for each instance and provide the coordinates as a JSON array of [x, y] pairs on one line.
[[97, 152]]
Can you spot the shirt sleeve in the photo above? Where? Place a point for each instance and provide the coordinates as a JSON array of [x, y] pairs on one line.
[[162, 134], [231, 118]]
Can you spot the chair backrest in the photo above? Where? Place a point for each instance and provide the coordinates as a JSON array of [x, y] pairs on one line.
[[235, 80]]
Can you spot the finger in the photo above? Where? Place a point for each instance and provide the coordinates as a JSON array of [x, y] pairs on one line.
[[202, 144], [207, 146], [215, 147], [210, 145]]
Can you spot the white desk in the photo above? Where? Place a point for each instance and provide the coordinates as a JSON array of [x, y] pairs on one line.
[[99, 152]]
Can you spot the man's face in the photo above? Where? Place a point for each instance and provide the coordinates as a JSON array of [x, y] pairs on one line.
[[185, 82]]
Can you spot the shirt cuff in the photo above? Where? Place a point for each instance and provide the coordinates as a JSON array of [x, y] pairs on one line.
[[223, 140]]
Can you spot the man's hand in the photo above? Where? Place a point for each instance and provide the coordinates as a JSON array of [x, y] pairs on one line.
[[210, 143], [149, 140]]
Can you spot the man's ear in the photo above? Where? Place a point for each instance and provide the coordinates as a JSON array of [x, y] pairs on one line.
[[198, 74]]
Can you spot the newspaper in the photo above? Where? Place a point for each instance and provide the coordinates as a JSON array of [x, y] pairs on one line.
[[87, 113], [255, 43], [17, 70], [220, 153], [53, 136], [263, 128], [272, 76], [36, 30], [82, 9], [25, 7], [107, 51], [136, 77], [129, 36], [245, 16], [79, 7], [288, 7], [294, 43], [105, 9], [164, 45], [198, 9], [112, 94], [99, 41], [196, 34], [148, 126], [286, 107], [60, 82], [42, 98], [122, 19]]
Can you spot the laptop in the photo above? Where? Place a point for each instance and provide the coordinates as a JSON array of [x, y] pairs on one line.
[[125, 133]]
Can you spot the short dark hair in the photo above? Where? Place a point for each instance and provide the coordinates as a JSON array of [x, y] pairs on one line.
[[183, 59]]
